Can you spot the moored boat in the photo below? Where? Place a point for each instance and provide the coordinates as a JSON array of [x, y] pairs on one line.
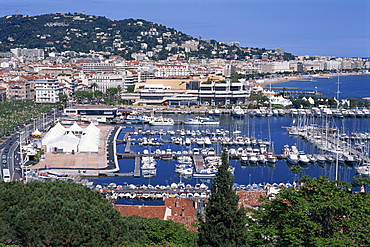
[[201, 121], [160, 121], [237, 111]]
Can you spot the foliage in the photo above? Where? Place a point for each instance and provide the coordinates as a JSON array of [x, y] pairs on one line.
[[154, 230], [320, 213], [58, 213], [130, 89], [83, 95], [258, 98], [82, 33], [356, 103], [63, 97], [224, 222], [13, 114], [112, 91]]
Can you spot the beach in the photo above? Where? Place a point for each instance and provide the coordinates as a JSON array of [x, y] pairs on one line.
[[268, 82]]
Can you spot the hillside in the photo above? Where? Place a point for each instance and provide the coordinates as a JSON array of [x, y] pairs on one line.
[[83, 33]]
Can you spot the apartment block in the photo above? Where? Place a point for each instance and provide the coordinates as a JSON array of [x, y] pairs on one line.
[[48, 90]]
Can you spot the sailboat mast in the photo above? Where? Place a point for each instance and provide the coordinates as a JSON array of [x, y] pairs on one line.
[[338, 92]]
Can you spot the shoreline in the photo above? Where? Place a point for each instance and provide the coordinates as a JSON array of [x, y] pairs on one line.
[[294, 78]]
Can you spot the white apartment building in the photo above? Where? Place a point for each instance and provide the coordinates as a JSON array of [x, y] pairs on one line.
[[28, 54], [171, 70], [273, 67], [48, 90], [98, 67], [333, 64], [221, 92], [105, 81]]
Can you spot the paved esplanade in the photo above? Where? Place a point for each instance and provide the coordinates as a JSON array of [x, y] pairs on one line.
[[78, 162]]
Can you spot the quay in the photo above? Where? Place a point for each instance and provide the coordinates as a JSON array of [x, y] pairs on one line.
[[109, 174]]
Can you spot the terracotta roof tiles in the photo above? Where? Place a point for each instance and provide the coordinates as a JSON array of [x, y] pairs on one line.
[[143, 211]]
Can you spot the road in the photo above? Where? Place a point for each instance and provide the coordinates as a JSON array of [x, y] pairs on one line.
[[10, 148]]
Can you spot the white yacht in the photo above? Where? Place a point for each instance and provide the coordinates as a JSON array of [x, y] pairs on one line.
[[292, 158], [201, 121], [363, 169], [303, 159], [237, 111], [161, 121]]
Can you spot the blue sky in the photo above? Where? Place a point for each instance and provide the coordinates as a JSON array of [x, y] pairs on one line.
[[303, 27]]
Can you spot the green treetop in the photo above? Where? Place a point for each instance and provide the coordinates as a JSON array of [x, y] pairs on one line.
[[320, 213], [224, 223]]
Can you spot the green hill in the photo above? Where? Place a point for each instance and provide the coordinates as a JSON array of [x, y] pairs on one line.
[[83, 33]]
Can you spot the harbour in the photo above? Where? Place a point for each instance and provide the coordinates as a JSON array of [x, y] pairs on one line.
[[245, 173], [267, 126]]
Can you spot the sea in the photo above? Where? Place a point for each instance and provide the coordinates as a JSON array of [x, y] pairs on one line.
[[266, 128], [350, 86]]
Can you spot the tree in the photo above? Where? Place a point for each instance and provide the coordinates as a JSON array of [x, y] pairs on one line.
[[93, 86], [224, 223], [112, 91], [98, 94], [81, 94], [320, 213], [63, 97], [56, 214], [59, 213]]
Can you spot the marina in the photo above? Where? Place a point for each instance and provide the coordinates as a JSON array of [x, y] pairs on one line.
[[262, 145], [244, 139]]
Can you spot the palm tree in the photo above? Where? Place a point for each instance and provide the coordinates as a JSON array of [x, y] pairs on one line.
[[93, 86]]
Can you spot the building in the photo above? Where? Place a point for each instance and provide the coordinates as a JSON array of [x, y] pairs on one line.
[[18, 90], [179, 210], [229, 70], [28, 54], [184, 210], [54, 72], [105, 81], [2, 94], [47, 90], [98, 67], [99, 113], [171, 70], [220, 92]]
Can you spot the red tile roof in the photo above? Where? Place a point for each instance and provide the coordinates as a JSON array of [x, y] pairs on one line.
[[251, 198], [182, 210], [143, 211]]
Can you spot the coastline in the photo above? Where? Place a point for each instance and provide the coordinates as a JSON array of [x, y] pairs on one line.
[[301, 77]]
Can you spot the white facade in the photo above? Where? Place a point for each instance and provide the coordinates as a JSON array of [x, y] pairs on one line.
[[48, 90], [105, 81], [171, 70], [28, 54], [279, 100]]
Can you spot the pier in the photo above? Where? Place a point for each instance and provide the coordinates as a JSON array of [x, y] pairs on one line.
[[137, 167], [128, 147]]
